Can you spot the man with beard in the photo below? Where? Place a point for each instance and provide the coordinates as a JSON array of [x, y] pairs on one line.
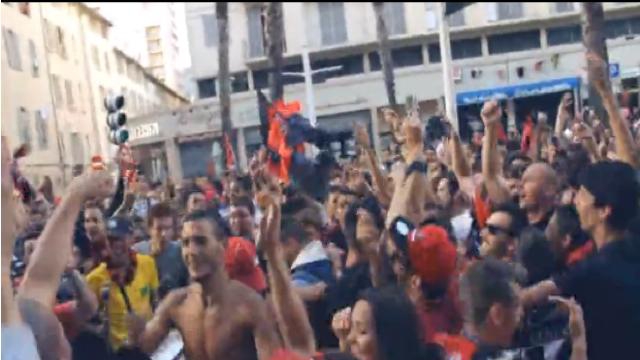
[[501, 232], [217, 317]]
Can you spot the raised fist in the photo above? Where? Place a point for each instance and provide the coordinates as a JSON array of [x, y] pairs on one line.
[[341, 323], [98, 184], [362, 136], [491, 113]]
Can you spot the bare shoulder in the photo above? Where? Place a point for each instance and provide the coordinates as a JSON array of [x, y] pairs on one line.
[[246, 297]]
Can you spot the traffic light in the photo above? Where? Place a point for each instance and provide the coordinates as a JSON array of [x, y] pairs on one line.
[[116, 119]]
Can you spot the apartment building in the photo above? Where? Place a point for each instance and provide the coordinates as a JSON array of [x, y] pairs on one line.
[[148, 33], [28, 114], [527, 54], [77, 67]]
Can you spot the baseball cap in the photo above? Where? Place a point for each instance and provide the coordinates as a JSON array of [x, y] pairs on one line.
[[240, 261], [119, 227], [432, 254]]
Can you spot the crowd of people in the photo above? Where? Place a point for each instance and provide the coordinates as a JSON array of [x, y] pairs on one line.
[[508, 247]]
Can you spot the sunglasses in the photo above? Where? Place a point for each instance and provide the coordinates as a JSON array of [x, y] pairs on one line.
[[495, 230]]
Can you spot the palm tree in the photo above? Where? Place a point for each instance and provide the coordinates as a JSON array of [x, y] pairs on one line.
[[275, 40], [224, 79], [385, 54], [594, 40]]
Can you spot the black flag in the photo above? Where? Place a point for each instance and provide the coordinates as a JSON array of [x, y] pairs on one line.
[[263, 106]]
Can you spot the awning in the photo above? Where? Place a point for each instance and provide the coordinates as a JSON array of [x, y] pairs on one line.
[[517, 91]]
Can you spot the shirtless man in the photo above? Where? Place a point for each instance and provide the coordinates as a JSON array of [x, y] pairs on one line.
[[218, 318]]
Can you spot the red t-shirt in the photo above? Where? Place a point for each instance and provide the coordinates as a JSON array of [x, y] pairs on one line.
[[444, 316]]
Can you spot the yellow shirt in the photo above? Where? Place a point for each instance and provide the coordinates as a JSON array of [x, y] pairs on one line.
[[145, 281]]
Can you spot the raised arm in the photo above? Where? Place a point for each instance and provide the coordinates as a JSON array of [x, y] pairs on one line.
[[42, 277], [498, 192], [563, 115], [380, 181], [290, 311], [412, 190], [10, 314], [625, 146]]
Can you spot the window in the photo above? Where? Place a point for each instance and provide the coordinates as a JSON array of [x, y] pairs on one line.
[[255, 20], [432, 17], [69, 92], [12, 47], [62, 48], [457, 18], [564, 35], [239, 82], [563, 7], [351, 65], [622, 27], [210, 30], [35, 66], [207, 88], [394, 18], [57, 90], [510, 10], [260, 79], [153, 32], [434, 53], [400, 57], [107, 68], [41, 130], [24, 126], [467, 48], [155, 60], [96, 57], [517, 41], [332, 23], [154, 46]]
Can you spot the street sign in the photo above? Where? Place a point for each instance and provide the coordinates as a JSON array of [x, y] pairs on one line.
[[614, 70]]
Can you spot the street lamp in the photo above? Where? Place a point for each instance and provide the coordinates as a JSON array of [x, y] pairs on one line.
[[307, 74]]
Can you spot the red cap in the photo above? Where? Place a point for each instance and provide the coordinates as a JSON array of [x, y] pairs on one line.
[[432, 254], [240, 262]]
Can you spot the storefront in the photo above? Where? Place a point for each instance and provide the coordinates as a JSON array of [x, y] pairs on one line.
[[523, 99]]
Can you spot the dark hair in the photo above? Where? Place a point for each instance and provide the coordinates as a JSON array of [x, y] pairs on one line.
[[568, 223], [485, 283], [510, 169], [395, 321], [220, 226], [292, 229], [535, 254], [518, 218], [46, 188], [245, 182], [577, 159], [613, 184], [244, 201], [160, 210], [370, 204]]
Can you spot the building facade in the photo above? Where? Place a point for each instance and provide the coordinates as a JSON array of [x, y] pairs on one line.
[[527, 54], [57, 67], [149, 33]]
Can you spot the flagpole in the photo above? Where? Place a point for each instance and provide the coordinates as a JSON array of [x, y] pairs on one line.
[[447, 68]]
